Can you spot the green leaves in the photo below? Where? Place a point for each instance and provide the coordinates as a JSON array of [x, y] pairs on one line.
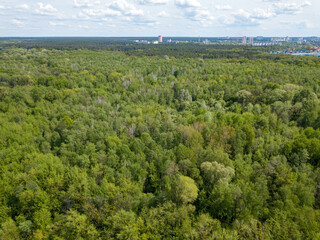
[[216, 173], [99, 145], [184, 190]]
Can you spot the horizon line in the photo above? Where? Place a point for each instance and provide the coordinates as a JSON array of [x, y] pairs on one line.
[[164, 36]]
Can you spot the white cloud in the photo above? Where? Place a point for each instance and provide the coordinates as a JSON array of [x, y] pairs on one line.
[[81, 15], [116, 10], [145, 22], [200, 15], [100, 13], [82, 3], [106, 19], [193, 11], [134, 12], [17, 22], [163, 14], [306, 3], [83, 26], [239, 18], [154, 2], [126, 8], [289, 8], [298, 24], [85, 3], [187, 3], [22, 7], [259, 13], [186, 17], [244, 18], [54, 24], [223, 7], [46, 9]]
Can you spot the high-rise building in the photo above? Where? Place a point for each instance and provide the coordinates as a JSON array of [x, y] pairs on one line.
[[160, 39], [251, 40], [244, 40]]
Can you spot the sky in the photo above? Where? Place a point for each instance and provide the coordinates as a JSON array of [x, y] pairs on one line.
[[139, 18]]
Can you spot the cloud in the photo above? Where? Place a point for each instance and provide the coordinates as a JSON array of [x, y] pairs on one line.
[[163, 14], [145, 22], [298, 24], [193, 11], [289, 8], [242, 18], [81, 15], [83, 26], [223, 7], [54, 24], [21, 7], [120, 10], [126, 8], [200, 15], [187, 3], [97, 13], [46, 9], [245, 18], [82, 3], [132, 14], [306, 3], [239, 18], [85, 3], [259, 13], [153, 2], [18, 22]]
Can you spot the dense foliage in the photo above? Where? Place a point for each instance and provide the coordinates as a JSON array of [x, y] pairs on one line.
[[101, 145], [130, 48]]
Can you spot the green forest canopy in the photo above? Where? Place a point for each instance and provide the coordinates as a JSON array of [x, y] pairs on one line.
[[104, 144]]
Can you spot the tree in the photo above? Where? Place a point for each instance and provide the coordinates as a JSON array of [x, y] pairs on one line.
[[184, 190], [75, 226], [9, 230], [216, 173]]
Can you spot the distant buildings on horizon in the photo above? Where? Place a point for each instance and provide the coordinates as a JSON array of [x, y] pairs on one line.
[[244, 40], [252, 41]]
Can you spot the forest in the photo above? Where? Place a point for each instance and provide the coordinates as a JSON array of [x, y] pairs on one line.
[[165, 142]]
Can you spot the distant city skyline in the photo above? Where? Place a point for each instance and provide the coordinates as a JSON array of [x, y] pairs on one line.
[[138, 18]]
